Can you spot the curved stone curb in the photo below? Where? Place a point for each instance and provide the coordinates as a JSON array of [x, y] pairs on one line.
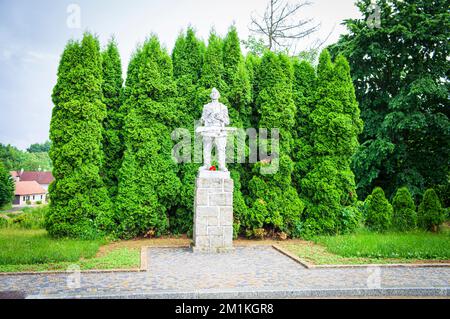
[[312, 266], [268, 294]]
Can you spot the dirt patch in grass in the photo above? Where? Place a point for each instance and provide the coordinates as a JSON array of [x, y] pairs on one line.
[[180, 241], [136, 244]]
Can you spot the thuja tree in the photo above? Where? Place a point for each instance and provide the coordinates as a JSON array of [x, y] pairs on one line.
[[273, 202], [328, 187], [239, 96], [304, 89], [237, 79], [405, 217], [112, 125], [430, 213], [377, 211], [400, 71], [6, 186], [79, 201], [187, 57], [148, 184], [252, 63], [213, 70]]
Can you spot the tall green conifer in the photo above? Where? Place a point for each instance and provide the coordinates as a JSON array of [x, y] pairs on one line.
[[79, 205], [112, 125], [148, 184], [237, 79], [328, 186], [6, 186], [213, 70], [187, 56], [304, 92], [273, 203]]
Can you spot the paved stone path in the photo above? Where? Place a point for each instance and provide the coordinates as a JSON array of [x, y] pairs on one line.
[[247, 272]]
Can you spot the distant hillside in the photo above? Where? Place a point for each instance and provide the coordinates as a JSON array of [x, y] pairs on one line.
[[15, 159]]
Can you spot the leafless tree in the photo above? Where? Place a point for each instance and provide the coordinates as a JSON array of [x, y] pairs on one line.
[[280, 25]]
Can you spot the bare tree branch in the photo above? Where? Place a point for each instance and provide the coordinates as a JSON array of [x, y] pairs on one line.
[[280, 25]]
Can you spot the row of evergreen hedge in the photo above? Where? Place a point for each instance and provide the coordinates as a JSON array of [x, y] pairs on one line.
[[111, 143], [402, 215]]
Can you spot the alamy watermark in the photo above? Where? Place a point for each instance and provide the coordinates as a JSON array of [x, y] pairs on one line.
[[73, 20], [73, 280], [243, 146], [374, 18], [374, 277]]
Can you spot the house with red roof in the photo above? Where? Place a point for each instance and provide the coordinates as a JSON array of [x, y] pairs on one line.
[[29, 192], [31, 186], [42, 178]]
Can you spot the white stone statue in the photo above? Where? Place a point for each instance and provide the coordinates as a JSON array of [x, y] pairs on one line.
[[214, 132]]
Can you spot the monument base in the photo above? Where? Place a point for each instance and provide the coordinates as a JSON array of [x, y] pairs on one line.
[[213, 212]]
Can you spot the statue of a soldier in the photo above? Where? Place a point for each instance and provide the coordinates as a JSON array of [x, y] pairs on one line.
[[214, 118]]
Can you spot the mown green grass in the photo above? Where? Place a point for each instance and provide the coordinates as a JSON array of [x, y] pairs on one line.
[[30, 246], [412, 245], [26, 246], [122, 258]]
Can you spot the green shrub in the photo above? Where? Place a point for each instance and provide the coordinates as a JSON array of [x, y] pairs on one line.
[[31, 218], [350, 219], [3, 222], [259, 233], [405, 216], [378, 211], [430, 214], [38, 202], [28, 202]]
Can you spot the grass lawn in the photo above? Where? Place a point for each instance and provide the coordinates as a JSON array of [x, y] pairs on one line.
[[413, 245], [34, 250], [370, 248]]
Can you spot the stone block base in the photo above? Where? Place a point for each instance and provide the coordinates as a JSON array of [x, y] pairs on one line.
[[213, 213]]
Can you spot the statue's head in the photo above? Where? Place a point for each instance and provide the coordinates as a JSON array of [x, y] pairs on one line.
[[215, 95]]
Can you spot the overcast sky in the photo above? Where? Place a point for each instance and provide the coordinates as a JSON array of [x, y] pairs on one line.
[[33, 34]]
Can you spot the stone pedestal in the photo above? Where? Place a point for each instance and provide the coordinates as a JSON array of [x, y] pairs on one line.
[[213, 212]]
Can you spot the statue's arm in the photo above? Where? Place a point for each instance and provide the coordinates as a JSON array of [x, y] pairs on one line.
[[226, 118], [205, 115]]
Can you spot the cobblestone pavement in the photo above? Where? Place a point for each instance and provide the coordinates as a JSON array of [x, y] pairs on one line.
[[247, 269]]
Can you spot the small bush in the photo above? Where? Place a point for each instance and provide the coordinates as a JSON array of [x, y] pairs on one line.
[[360, 206], [259, 233], [28, 202], [350, 219], [405, 216], [430, 214], [3, 222], [30, 219], [38, 202], [378, 211]]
